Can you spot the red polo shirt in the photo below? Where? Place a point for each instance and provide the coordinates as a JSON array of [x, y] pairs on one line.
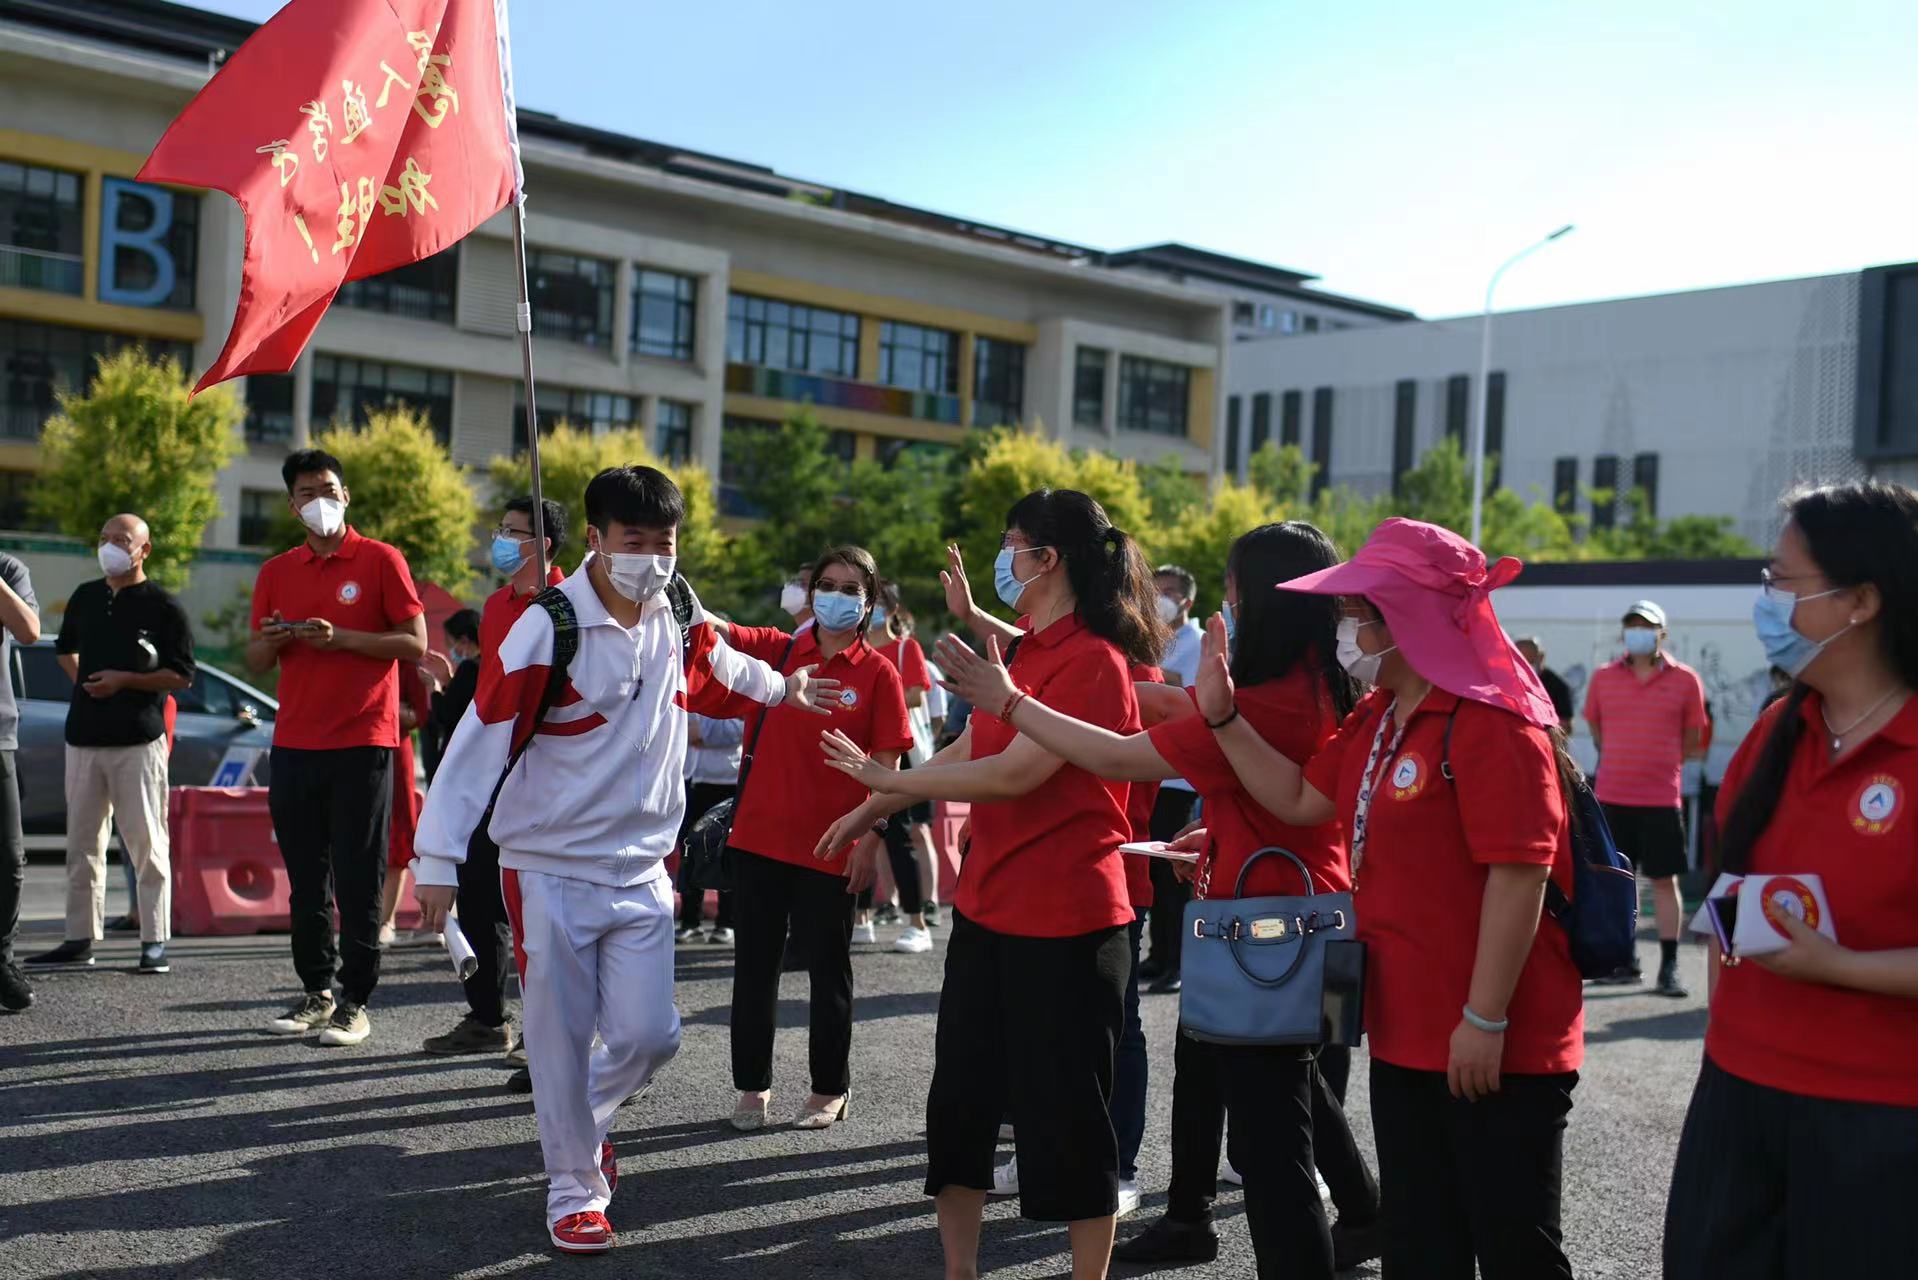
[[1421, 886], [1294, 715], [1849, 824], [330, 699], [793, 795], [503, 608], [1047, 864], [1641, 725], [909, 660], [1140, 798]]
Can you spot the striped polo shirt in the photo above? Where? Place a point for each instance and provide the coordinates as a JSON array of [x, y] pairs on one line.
[[1641, 728]]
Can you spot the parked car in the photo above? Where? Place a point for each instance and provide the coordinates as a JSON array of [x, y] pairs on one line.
[[216, 713]]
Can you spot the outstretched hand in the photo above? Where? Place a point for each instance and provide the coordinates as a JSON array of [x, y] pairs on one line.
[[845, 755], [810, 693], [958, 589], [983, 682], [1215, 691], [845, 831]]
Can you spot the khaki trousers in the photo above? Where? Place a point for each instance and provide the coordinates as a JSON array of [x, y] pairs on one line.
[[130, 784]]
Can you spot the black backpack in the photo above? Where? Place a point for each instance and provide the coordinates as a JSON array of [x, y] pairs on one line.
[[1600, 919]]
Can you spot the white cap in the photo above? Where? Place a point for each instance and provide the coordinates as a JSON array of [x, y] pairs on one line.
[[1649, 611]]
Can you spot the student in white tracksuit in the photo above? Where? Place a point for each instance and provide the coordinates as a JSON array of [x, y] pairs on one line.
[[584, 821]]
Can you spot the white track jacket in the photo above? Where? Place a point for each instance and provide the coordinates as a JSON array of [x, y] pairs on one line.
[[599, 793]]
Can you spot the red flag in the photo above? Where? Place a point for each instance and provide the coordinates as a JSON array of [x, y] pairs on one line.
[[357, 136]]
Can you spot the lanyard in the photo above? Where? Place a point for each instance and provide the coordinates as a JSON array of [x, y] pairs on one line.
[[1369, 780]]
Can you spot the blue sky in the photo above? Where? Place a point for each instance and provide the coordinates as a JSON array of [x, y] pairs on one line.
[[1398, 150]]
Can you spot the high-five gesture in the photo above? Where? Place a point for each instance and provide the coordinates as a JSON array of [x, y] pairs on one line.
[[1216, 693], [983, 682], [958, 589], [843, 754], [809, 693]]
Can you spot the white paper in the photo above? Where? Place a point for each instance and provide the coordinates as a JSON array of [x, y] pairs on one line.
[[465, 960], [1762, 900], [1724, 886], [1160, 849]]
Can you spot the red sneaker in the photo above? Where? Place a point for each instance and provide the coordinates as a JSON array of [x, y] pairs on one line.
[[609, 1165], [582, 1233]]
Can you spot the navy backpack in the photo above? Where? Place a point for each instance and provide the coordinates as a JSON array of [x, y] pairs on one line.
[[1600, 919]]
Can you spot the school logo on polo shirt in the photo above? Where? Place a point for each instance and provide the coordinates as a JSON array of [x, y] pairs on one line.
[[349, 592], [1408, 776], [1875, 807], [1789, 896], [849, 698]]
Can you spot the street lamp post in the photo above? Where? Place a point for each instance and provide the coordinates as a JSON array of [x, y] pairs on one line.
[[1481, 422]]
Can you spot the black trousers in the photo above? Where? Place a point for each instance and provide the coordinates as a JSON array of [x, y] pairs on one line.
[[1779, 1186], [1463, 1180], [1166, 918], [773, 896], [1283, 1120], [1027, 1028], [332, 815], [13, 855], [483, 920], [701, 799], [905, 866]]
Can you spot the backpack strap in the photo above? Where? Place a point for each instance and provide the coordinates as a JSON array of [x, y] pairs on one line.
[[1445, 752], [752, 744], [565, 649], [679, 594]]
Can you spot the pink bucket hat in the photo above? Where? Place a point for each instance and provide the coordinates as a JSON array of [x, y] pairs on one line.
[[1435, 592]]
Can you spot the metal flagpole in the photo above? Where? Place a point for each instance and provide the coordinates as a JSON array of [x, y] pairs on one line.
[[523, 321]]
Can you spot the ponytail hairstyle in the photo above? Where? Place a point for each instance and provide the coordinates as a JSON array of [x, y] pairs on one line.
[[1858, 535], [860, 561], [1107, 572], [1275, 631]]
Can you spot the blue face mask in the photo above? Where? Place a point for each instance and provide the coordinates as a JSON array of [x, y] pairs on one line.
[[837, 611], [1641, 642], [1786, 647], [1231, 624], [1005, 581], [508, 555], [879, 617]]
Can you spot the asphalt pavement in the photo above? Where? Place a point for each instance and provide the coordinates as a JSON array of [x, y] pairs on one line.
[[149, 1128]]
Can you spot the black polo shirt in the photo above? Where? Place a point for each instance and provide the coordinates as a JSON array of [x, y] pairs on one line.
[[104, 628]]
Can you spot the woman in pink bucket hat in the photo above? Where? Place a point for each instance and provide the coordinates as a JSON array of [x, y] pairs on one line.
[[1447, 777]]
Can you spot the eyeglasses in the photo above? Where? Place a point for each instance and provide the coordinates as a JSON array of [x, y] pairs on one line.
[[841, 589], [1768, 583], [518, 535]]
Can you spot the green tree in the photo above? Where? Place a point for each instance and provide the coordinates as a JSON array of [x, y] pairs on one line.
[[138, 440], [1644, 536], [1283, 473], [1203, 534], [1170, 490], [406, 490]]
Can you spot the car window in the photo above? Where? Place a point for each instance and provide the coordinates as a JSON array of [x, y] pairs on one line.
[[41, 676], [209, 695]]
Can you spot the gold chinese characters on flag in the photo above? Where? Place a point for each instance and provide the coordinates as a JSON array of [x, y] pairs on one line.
[[357, 136]]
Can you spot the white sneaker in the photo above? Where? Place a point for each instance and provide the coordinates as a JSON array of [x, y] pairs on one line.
[[1231, 1175], [349, 1025], [721, 938], [1325, 1192], [1005, 1179], [387, 935], [687, 935], [865, 933], [1128, 1196], [913, 942]]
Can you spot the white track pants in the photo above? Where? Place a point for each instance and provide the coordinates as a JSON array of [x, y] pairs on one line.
[[597, 959]]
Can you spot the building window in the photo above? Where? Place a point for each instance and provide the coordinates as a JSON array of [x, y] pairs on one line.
[[1268, 317], [1154, 396], [38, 361], [43, 226], [269, 408], [1244, 313], [1458, 402], [1565, 486], [1311, 324], [1261, 421], [347, 390], [1288, 322], [916, 358], [1290, 411], [259, 509], [572, 297], [1089, 387], [1321, 440], [1645, 480], [594, 412], [785, 335], [1495, 427], [675, 439], [16, 512], [665, 307], [1232, 436], [1604, 491], [998, 383], [155, 231], [422, 290], [1404, 430]]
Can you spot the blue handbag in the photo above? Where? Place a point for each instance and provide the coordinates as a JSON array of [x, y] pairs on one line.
[[1253, 969]]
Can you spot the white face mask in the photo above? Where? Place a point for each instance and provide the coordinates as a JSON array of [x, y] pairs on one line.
[[1360, 665], [793, 598], [324, 516], [1168, 610], [637, 576], [115, 560]]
